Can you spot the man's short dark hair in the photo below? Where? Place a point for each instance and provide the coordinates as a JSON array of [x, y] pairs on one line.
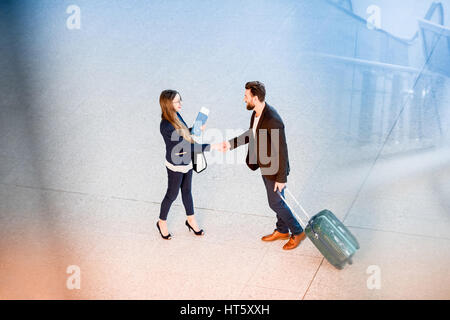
[[257, 89]]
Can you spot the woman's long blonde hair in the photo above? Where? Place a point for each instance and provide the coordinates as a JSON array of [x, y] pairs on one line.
[[169, 113]]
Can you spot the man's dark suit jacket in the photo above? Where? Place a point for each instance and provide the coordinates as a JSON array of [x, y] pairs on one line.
[[269, 150]]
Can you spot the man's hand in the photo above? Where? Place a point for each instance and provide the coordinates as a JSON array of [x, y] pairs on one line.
[[279, 186], [226, 146], [222, 147]]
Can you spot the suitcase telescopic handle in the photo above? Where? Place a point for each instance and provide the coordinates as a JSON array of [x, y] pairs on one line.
[[301, 207]]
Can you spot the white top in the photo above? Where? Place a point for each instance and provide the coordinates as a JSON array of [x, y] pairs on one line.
[[179, 168], [255, 125]]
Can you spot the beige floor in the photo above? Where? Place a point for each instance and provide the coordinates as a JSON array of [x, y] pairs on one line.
[[82, 169], [121, 256]]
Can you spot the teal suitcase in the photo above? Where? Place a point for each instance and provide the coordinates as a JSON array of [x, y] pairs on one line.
[[336, 243]]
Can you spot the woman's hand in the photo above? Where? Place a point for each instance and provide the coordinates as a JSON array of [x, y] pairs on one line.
[[203, 127], [216, 146]]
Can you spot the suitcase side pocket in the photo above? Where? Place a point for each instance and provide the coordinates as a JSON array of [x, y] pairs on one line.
[[330, 241]]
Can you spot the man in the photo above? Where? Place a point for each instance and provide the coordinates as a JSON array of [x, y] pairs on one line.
[[268, 151]]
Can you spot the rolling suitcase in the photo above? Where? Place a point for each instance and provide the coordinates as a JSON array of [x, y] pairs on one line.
[[329, 235]]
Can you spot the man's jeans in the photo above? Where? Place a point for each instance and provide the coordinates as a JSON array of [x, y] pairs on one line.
[[286, 220]]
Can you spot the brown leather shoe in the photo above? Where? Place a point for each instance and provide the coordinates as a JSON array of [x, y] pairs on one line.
[[276, 236], [294, 241]]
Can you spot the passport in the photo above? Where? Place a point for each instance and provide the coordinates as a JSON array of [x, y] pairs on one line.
[[200, 121]]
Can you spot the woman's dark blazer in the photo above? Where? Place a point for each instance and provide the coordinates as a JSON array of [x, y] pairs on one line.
[[178, 150]]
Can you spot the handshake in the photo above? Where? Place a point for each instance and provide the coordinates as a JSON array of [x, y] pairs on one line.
[[222, 146]]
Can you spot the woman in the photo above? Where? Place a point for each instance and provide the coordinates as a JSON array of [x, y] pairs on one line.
[[179, 147]]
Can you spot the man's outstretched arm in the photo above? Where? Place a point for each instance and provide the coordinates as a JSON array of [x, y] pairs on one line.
[[234, 143]]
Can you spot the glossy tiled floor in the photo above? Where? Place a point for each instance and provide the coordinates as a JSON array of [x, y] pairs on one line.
[[81, 157]]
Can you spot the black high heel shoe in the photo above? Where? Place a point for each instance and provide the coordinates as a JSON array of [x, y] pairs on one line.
[[168, 237], [199, 233]]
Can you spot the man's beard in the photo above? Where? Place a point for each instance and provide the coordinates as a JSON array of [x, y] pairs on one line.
[[250, 107]]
